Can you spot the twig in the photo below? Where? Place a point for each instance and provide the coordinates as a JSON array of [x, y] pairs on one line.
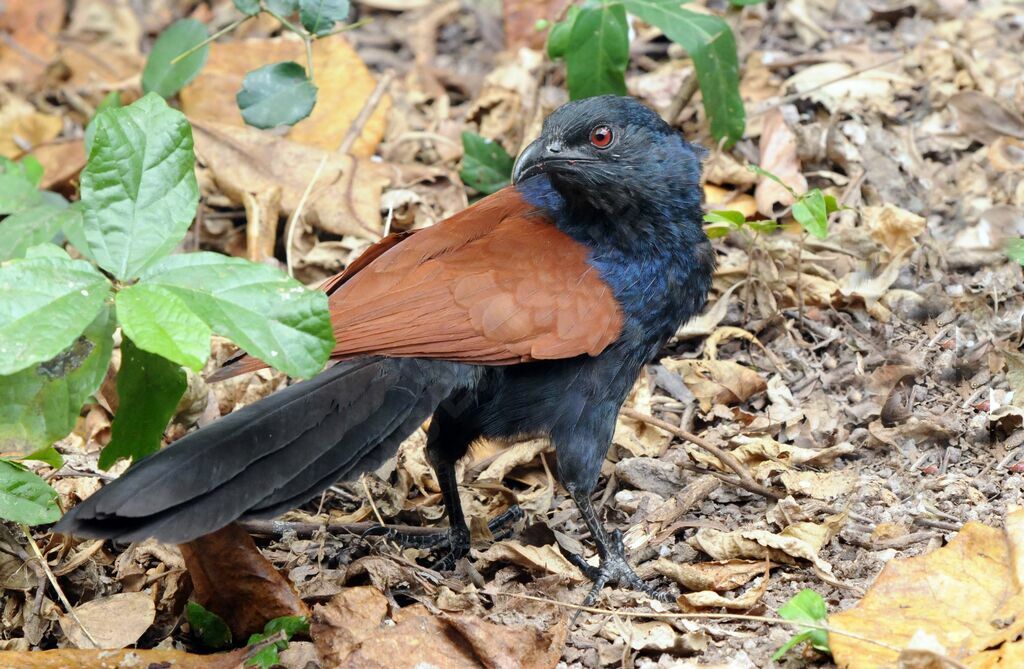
[[307, 529], [220, 33], [290, 234], [799, 282], [53, 581], [746, 481], [345, 28], [366, 112], [694, 616], [686, 90]]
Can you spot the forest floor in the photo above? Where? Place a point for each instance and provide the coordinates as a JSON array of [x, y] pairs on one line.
[[871, 381]]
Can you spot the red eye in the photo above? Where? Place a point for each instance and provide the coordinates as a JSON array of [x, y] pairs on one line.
[[601, 136]]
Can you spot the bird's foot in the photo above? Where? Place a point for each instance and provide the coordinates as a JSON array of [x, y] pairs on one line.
[[456, 539], [614, 569]]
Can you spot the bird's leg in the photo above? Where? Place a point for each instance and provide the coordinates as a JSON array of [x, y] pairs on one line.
[[613, 568]]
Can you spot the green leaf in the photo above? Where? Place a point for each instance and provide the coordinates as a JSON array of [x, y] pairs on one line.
[[283, 8], [598, 52], [158, 321], [760, 171], [248, 7], [730, 216], [260, 308], [17, 192], [558, 37], [73, 227], [745, 3], [149, 387], [277, 94], [486, 166], [48, 454], [40, 405], [763, 226], [139, 188], [32, 226], [163, 77], [208, 626], [811, 213], [32, 169], [319, 16], [45, 304], [111, 101], [1015, 250], [291, 625], [712, 46], [24, 497], [806, 606], [266, 658]]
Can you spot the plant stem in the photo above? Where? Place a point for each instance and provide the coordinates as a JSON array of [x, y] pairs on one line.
[[799, 282], [307, 39], [220, 33], [345, 28]]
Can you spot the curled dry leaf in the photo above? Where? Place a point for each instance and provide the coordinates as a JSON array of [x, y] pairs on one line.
[[778, 156], [893, 228], [635, 436], [122, 659], [717, 381], [799, 541], [707, 599], [717, 576], [113, 622], [655, 636], [343, 85], [355, 630], [545, 559], [233, 579], [966, 595]]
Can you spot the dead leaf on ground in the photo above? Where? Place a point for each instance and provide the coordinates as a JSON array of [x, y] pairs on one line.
[[778, 156], [708, 599], [983, 118], [967, 595], [717, 381], [61, 161], [121, 659], [22, 128], [638, 437], [29, 45], [545, 559], [893, 228], [113, 622], [101, 44], [718, 576], [233, 579], [343, 85], [354, 630], [657, 636]]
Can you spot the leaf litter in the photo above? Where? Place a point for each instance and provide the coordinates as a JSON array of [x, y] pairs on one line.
[[876, 387]]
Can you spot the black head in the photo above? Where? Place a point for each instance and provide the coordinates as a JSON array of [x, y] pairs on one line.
[[612, 154]]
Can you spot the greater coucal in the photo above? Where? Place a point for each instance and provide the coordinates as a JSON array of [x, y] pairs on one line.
[[531, 313]]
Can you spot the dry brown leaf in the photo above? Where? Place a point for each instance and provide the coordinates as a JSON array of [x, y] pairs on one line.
[[836, 84], [22, 128], [101, 44], [61, 161], [717, 381], [545, 559], [353, 630], [122, 659], [720, 198], [893, 228], [717, 576], [343, 85], [707, 599], [521, 18], [983, 118], [29, 45], [233, 579], [778, 156], [521, 453], [967, 595], [656, 636], [638, 437], [345, 200], [113, 622], [1006, 154], [799, 541]]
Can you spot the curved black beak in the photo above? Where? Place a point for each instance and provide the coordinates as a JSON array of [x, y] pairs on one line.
[[541, 154]]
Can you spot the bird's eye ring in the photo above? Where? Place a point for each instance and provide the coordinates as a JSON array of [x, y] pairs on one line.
[[601, 136]]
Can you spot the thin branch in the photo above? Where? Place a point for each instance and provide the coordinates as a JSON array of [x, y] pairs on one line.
[[746, 481], [345, 28], [293, 221], [366, 112], [53, 581], [220, 33]]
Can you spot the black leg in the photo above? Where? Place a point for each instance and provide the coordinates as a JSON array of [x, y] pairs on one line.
[[614, 568]]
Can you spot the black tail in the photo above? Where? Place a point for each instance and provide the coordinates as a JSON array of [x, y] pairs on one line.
[[270, 456]]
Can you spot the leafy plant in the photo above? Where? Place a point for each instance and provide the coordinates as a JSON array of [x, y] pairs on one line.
[[811, 209], [1014, 250], [138, 199], [594, 41], [806, 606], [723, 221], [486, 166], [207, 626], [286, 626], [275, 94]]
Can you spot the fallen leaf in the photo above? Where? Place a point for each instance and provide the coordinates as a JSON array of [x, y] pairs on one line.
[[545, 559], [893, 228], [113, 622], [232, 579], [716, 197], [717, 381], [656, 636], [61, 161], [638, 437], [778, 156], [29, 45], [966, 595], [353, 630], [718, 576], [101, 43], [22, 128], [836, 84], [123, 659], [982, 117], [343, 82], [707, 599]]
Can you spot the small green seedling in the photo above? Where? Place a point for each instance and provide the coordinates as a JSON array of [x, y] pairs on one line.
[[207, 626], [811, 209], [806, 606], [723, 221], [268, 657]]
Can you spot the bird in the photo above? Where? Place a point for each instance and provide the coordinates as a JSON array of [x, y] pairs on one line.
[[531, 313]]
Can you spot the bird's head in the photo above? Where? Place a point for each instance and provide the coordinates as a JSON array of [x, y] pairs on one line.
[[609, 154]]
